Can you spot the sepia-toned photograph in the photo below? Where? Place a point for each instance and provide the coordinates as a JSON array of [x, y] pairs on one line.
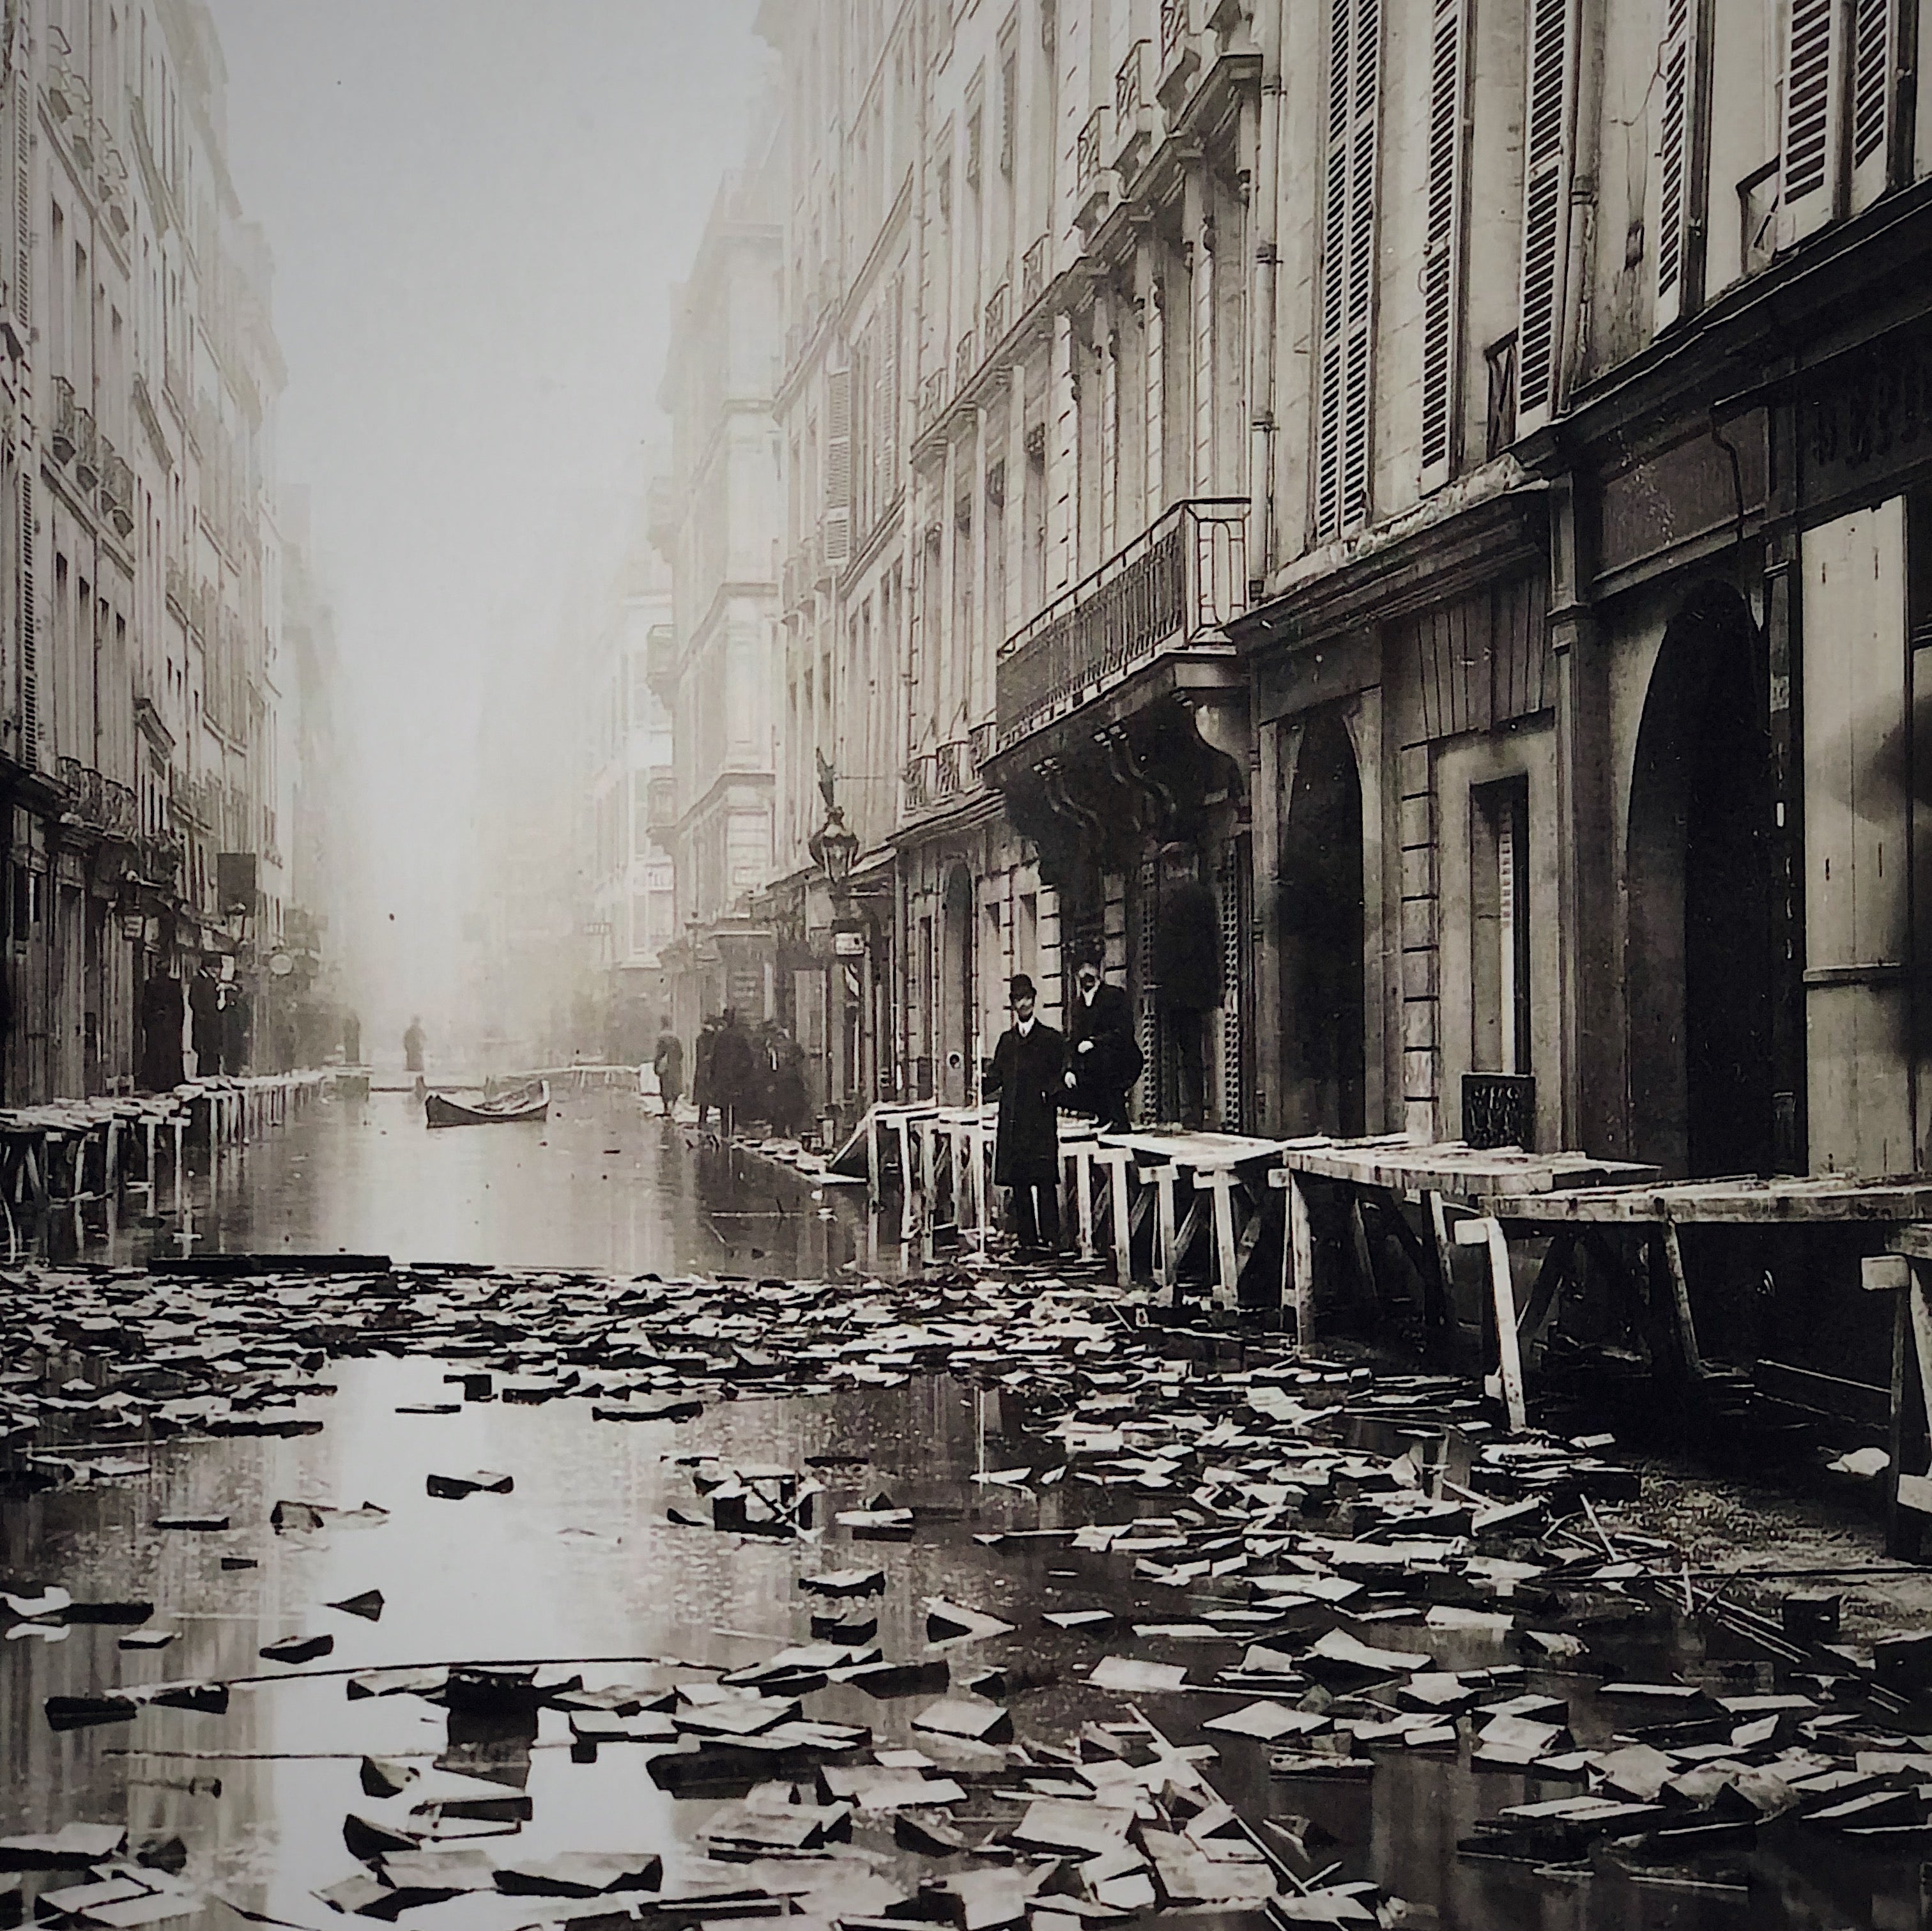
[[963, 965]]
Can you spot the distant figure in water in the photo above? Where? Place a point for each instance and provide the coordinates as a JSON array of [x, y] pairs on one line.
[[413, 1047], [667, 1062]]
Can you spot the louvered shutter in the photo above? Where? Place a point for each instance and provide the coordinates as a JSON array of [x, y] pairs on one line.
[[1673, 159], [838, 523], [1874, 65], [1813, 115], [1442, 246], [30, 691], [23, 204], [1546, 207], [1345, 368]]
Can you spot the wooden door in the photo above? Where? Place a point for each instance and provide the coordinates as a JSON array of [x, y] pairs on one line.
[[1857, 794]]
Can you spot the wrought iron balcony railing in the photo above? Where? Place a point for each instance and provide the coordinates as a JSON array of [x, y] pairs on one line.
[[1093, 190], [1177, 587], [1032, 273], [66, 430], [996, 315]]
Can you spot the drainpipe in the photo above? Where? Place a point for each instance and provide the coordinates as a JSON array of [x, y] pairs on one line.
[[1585, 159], [1264, 202]]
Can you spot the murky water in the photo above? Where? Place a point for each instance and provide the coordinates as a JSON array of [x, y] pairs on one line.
[[581, 1562], [604, 1182]]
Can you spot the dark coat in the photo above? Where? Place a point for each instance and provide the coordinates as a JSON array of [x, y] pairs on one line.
[[1187, 946], [1108, 1072], [667, 1062], [160, 1033], [204, 999], [733, 1070], [1028, 1075]]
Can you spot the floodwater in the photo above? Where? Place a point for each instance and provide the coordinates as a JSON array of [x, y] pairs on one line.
[[581, 1563], [605, 1182]]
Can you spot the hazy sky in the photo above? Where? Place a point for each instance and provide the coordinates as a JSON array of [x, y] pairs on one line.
[[476, 209]]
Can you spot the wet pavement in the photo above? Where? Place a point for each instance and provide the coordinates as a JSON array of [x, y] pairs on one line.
[[606, 1182], [582, 1561]]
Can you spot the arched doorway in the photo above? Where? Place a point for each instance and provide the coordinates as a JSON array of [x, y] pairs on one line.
[[1319, 911], [1699, 959], [952, 1043]]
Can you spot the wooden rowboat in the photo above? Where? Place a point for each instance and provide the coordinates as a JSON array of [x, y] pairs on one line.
[[438, 1110]]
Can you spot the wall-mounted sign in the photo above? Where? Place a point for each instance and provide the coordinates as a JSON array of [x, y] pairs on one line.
[[848, 944]]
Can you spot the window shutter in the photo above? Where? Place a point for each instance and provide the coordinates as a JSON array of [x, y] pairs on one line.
[[23, 204], [1546, 207], [838, 523], [1346, 362], [30, 693], [1441, 260], [1813, 59], [1874, 66], [1673, 159]]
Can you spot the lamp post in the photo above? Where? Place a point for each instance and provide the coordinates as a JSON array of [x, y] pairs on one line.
[[833, 847]]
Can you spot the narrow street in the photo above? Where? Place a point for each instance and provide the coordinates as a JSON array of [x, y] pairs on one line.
[[604, 1183], [612, 1567]]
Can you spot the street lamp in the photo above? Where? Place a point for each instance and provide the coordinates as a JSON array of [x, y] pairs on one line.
[[833, 846]]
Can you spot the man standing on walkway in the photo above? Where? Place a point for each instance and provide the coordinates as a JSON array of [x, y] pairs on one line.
[[667, 1063], [1103, 1058], [204, 1002], [1026, 1072], [732, 1070], [413, 1047]]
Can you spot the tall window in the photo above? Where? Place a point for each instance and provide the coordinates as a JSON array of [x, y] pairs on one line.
[[1839, 126], [1342, 447], [1499, 926]]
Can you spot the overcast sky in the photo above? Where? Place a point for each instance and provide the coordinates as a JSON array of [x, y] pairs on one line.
[[476, 209]]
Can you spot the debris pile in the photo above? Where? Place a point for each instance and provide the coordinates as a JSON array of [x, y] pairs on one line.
[[1301, 1569]]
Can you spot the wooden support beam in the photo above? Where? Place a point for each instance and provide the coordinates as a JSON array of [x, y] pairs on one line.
[[1485, 1231]]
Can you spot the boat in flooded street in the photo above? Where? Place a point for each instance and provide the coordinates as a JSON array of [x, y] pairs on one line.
[[510, 1109]]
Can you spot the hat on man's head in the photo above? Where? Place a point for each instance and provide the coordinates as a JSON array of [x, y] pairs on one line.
[[1020, 987]]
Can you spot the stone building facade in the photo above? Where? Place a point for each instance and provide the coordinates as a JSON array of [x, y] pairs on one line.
[[141, 678], [1449, 475], [715, 516]]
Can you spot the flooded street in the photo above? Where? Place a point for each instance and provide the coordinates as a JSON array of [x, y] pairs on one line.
[[582, 1568], [605, 1182]]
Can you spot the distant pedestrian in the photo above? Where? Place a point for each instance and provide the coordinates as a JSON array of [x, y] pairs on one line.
[[789, 1100], [733, 1070], [703, 1090], [204, 1001], [351, 1039], [413, 1047], [161, 1014], [1026, 1072], [1104, 1059], [237, 1029], [667, 1062]]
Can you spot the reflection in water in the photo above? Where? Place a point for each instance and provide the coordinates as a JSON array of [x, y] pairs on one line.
[[580, 1561], [603, 1183]]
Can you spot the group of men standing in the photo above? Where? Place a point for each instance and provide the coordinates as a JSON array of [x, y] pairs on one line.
[[219, 1031], [740, 1074], [1035, 1070]]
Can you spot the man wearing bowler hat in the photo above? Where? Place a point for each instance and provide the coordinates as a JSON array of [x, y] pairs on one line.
[[1028, 1067]]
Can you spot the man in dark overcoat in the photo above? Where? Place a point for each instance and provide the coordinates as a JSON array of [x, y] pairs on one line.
[[733, 1070], [1027, 1073], [1103, 1058]]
